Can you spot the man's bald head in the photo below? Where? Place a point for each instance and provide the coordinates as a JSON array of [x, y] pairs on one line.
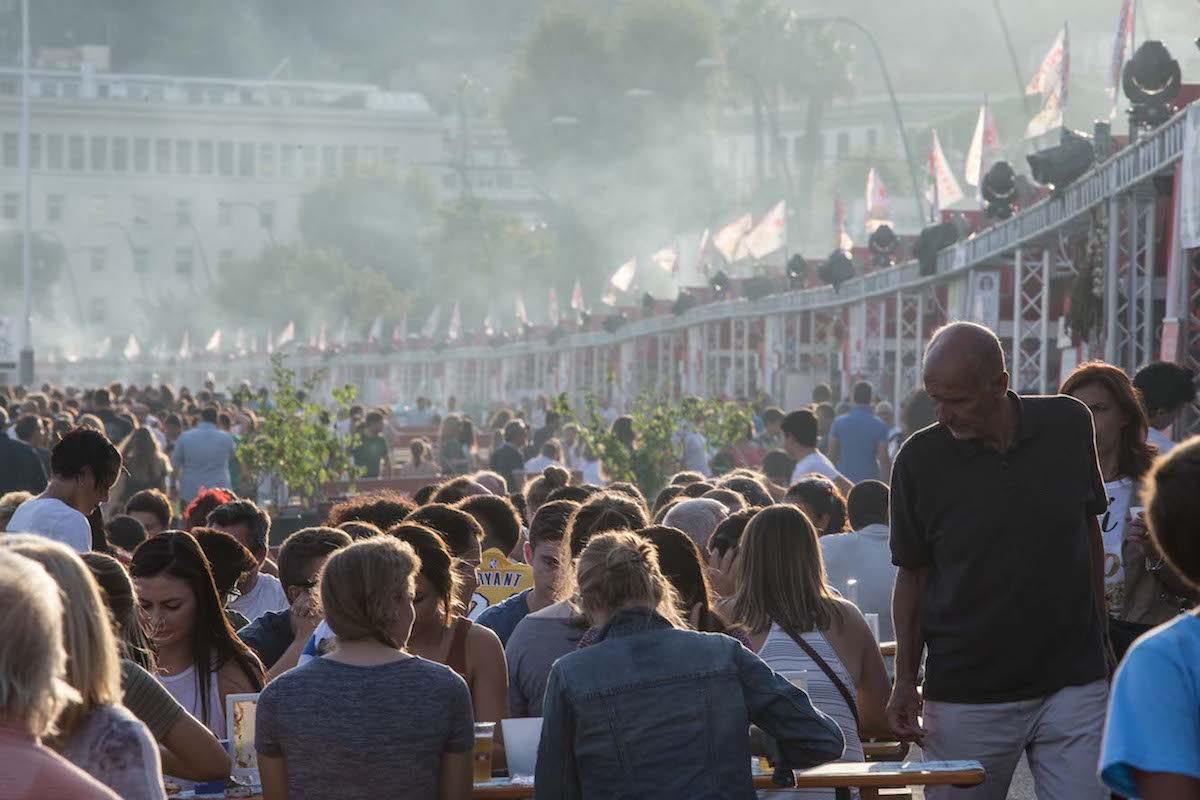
[[965, 346]]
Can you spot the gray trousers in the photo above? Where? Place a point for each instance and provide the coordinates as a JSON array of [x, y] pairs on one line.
[[1060, 734]]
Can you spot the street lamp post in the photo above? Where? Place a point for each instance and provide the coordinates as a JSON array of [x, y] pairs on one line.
[[25, 373], [887, 80]]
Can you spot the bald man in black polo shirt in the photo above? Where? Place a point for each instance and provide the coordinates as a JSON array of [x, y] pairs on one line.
[[993, 529]]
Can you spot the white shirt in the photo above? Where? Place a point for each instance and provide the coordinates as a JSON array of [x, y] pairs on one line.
[[535, 465], [1160, 440], [865, 556], [267, 595], [1112, 530], [815, 462], [695, 452], [55, 520]]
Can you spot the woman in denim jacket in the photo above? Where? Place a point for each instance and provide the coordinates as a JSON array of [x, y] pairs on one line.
[[655, 710]]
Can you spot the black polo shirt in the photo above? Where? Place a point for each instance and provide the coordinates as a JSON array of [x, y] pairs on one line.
[[1009, 611]]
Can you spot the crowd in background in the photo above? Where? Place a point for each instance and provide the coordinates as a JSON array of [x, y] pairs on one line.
[[1015, 548]]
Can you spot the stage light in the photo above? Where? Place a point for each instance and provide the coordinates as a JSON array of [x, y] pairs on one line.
[[613, 322], [931, 241], [883, 244], [1058, 166], [1151, 80], [837, 269], [797, 272], [999, 190], [758, 287], [684, 303], [720, 283]]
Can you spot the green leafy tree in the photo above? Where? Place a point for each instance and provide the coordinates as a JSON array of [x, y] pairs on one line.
[[658, 427], [294, 443]]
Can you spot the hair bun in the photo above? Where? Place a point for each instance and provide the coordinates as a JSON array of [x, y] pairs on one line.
[[555, 477], [625, 555]]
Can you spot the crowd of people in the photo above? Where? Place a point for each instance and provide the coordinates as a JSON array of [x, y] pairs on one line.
[[1016, 548]]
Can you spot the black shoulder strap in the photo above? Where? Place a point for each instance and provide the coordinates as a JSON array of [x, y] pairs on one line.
[[847, 695]]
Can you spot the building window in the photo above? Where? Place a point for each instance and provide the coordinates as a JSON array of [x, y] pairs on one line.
[[204, 158], [97, 310], [12, 205], [54, 151], [54, 208], [99, 153], [75, 153], [141, 210], [183, 212], [35, 151], [12, 150], [310, 161], [843, 144], [183, 261], [872, 138], [183, 157], [266, 213], [162, 156], [141, 261], [141, 155], [99, 214], [266, 160], [329, 161], [370, 155], [120, 154], [287, 160], [224, 214], [98, 259], [224, 262], [246, 160], [225, 159], [350, 159]]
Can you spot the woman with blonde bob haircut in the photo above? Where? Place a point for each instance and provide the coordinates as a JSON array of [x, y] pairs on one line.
[[387, 717], [798, 624], [634, 692], [33, 686], [97, 734]]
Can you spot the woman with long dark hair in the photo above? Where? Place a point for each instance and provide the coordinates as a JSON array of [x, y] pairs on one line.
[[200, 658], [1136, 597], [145, 467], [681, 564]]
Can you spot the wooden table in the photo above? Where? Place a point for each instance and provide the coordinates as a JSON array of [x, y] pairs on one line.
[[842, 776], [885, 751]]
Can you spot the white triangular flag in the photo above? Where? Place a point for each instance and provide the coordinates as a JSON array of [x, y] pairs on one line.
[[344, 334], [728, 240], [214, 342], [946, 191], [103, 348], [770, 234], [454, 332], [521, 312], [185, 345], [322, 343], [667, 259], [985, 147], [577, 298], [287, 335], [1122, 44], [239, 342], [132, 349], [879, 206], [431, 323], [1049, 73], [489, 322], [620, 281], [552, 307], [375, 334], [1054, 80]]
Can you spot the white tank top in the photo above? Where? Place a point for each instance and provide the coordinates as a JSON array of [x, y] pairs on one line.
[[783, 655], [185, 687]]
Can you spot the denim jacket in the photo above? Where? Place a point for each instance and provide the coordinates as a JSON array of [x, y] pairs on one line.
[[652, 711]]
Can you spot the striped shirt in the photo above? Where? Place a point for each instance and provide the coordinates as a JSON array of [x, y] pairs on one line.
[[785, 657]]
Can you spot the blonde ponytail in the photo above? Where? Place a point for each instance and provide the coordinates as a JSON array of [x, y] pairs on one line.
[[620, 570], [359, 584]]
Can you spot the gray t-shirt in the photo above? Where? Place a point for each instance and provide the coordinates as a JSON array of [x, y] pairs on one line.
[[364, 732], [536, 643]]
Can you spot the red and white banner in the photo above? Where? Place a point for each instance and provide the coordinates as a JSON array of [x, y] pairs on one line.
[[1122, 44], [770, 234], [985, 147], [1051, 81], [879, 205], [945, 191], [728, 240]]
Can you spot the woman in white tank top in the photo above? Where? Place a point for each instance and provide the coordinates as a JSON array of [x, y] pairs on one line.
[[200, 658], [782, 594]]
